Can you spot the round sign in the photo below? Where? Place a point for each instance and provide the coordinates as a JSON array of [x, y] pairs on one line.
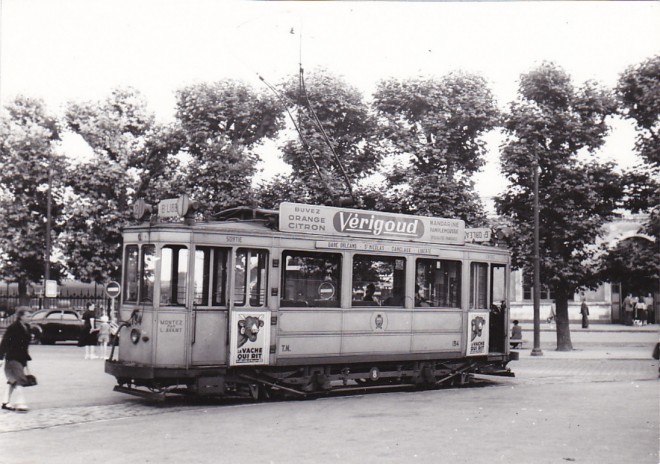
[[326, 290], [113, 289], [182, 205]]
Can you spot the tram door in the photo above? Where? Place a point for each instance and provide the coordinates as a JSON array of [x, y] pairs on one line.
[[210, 309], [498, 309]]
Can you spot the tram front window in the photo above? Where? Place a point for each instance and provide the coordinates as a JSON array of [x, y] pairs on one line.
[[438, 283], [173, 275], [250, 277], [148, 274], [378, 280], [131, 274], [210, 276]]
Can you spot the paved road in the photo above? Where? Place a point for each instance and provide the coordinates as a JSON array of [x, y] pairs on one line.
[[598, 403]]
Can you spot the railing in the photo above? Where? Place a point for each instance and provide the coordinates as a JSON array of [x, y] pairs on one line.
[[9, 304]]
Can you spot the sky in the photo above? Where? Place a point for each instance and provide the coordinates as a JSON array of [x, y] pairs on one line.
[[79, 50]]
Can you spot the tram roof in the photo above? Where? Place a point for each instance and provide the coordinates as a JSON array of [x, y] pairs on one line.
[[260, 227]]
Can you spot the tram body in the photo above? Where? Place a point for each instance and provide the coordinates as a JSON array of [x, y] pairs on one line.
[[281, 304]]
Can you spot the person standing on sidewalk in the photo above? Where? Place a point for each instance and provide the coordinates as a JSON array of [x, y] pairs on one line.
[[14, 350], [88, 333], [584, 310], [650, 309], [628, 308]]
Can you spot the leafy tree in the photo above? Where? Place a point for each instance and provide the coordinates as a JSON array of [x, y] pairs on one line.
[[28, 137], [332, 146], [132, 158], [222, 124], [549, 125], [433, 128], [639, 92], [635, 262]]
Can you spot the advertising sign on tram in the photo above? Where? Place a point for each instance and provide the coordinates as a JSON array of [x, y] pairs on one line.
[[249, 338], [477, 333], [326, 220]]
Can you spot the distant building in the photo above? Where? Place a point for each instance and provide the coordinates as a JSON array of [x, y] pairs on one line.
[[604, 303]]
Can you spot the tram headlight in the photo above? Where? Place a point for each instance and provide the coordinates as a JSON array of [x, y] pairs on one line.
[[135, 336]]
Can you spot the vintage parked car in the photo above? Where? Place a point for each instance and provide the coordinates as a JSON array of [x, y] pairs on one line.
[[55, 325]]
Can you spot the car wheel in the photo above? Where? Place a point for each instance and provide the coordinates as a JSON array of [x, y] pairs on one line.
[[35, 336]]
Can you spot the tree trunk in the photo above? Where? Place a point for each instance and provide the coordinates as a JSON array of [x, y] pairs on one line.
[[563, 329], [23, 297]]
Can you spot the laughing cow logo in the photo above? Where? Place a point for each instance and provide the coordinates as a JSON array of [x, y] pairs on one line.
[[248, 329], [477, 327]]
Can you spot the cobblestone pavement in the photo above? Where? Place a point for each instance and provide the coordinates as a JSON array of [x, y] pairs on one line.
[[528, 372], [54, 417]]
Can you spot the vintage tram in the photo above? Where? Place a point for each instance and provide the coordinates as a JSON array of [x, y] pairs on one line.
[[306, 300]]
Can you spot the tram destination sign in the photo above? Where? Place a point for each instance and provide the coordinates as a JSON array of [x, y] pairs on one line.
[[477, 235], [346, 222]]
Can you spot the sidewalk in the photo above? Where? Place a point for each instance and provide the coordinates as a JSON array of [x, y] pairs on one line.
[[593, 327], [599, 341]]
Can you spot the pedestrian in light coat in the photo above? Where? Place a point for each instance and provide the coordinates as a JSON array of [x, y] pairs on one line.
[[628, 308]]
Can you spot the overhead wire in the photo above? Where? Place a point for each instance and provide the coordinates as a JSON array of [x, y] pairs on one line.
[[326, 139], [300, 135], [298, 125]]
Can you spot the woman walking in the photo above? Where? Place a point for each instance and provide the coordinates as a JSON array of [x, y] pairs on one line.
[[14, 349]]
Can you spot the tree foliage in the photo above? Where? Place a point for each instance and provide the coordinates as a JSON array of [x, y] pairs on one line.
[[433, 128], [634, 262], [28, 137], [222, 123], [550, 124], [132, 158], [330, 145], [639, 92]]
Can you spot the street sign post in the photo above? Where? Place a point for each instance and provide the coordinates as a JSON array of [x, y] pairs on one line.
[[51, 289], [113, 290]]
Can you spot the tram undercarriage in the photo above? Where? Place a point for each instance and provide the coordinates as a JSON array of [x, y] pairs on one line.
[[301, 382]]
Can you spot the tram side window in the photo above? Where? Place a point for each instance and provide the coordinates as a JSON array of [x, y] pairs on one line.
[[438, 283], [310, 279], [210, 276], [478, 285], [131, 274], [498, 285], [148, 274], [378, 280], [250, 277], [173, 275]]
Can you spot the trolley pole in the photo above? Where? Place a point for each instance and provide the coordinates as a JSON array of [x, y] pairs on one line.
[[536, 351]]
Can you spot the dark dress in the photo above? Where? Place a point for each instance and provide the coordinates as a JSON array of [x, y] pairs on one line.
[[87, 338]]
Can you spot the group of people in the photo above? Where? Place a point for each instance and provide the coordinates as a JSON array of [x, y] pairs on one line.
[[638, 310], [584, 312], [94, 334], [14, 352]]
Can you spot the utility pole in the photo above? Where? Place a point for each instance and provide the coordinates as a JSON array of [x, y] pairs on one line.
[[48, 227], [536, 351]]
